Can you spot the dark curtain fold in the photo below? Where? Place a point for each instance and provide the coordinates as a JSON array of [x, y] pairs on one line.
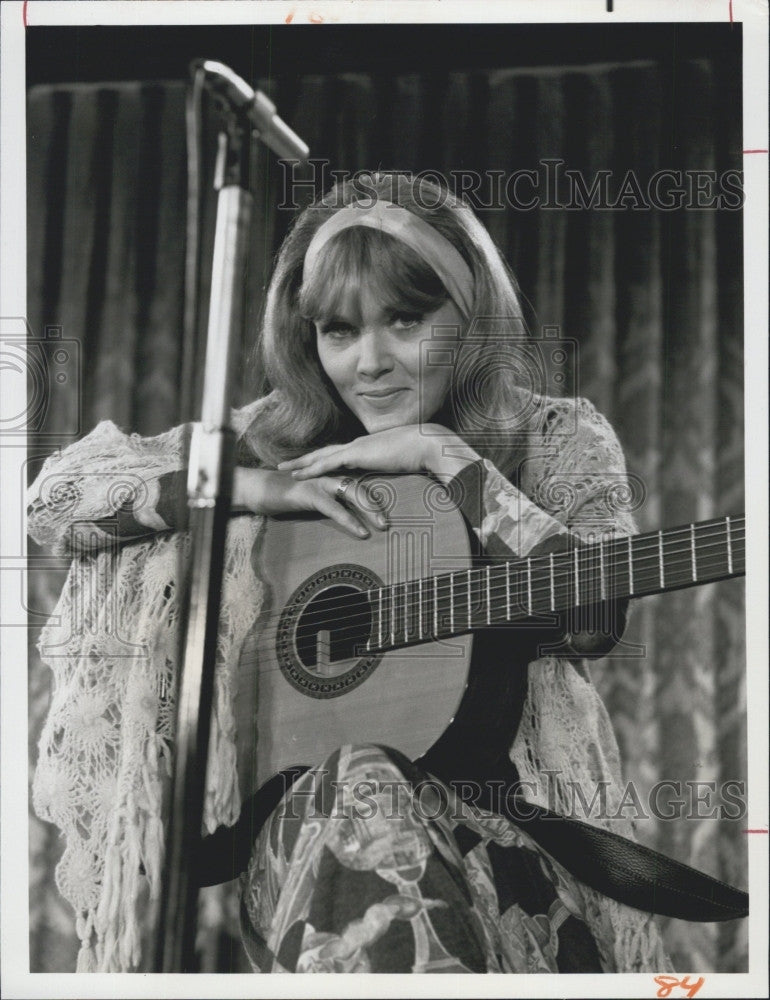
[[652, 299]]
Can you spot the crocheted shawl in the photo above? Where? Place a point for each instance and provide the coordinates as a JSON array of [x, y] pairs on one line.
[[110, 643]]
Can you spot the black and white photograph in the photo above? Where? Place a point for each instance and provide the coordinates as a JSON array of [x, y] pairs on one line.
[[385, 411]]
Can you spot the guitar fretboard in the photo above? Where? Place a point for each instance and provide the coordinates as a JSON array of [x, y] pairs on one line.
[[498, 593]]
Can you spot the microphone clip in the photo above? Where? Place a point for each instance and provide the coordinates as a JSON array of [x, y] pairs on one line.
[[238, 100]]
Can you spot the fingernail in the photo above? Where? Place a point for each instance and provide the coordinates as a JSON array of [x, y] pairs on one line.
[[381, 521], [363, 532]]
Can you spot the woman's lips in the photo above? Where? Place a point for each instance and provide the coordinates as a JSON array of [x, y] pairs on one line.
[[381, 397]]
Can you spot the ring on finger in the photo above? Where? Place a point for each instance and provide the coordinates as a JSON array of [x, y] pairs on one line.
[[342, 487]]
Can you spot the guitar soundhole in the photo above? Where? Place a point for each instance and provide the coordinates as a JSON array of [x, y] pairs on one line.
[[348, 628], [323, 632]]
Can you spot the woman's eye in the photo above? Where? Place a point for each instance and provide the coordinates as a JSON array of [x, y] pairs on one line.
[[337, 332], [405, 321]]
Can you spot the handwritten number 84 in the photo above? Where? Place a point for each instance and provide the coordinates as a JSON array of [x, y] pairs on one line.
[[667, 983]]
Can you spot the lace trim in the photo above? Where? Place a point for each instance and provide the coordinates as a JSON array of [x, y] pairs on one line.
[[105, 747]]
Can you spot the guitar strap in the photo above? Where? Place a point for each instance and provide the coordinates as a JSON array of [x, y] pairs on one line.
[[626, 871], [613, 865], [608, 862]]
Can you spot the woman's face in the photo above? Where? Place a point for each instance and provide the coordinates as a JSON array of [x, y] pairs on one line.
[[379, 359]]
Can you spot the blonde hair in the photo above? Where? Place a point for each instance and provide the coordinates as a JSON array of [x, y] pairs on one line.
[[302, 409]]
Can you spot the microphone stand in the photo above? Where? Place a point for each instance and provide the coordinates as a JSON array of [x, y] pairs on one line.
[[209, 488]]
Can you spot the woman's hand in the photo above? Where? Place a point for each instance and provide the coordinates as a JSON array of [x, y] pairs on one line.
[[413, 448], [269, 491]]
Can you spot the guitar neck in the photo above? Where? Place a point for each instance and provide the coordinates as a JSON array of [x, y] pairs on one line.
[[508, 592]]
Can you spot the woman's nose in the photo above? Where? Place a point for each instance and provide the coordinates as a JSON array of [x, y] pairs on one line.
[[374, 355]]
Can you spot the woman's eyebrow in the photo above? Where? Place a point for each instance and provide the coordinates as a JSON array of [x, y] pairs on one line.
[[402, 310], [333, 321]]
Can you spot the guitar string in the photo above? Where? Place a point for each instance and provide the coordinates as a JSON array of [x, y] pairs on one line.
[[410, 607], [262, 646], [322, 608], [641, 553]]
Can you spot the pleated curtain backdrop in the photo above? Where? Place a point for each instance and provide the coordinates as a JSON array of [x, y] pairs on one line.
[[652, 298]]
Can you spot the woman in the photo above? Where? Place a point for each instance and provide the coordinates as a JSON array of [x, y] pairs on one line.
[[391, 342]]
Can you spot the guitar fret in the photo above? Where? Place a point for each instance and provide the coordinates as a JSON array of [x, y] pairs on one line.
[[435, 606], [577, 580], [602, 589], [379, 625], [553, 594], [392, 615], [508, 591], [406, 612], [660, 558], [489, 599], [729, 547], [451, 602], [529, 585], [419, 607], [630, 569], [692, 554], [468, 601]]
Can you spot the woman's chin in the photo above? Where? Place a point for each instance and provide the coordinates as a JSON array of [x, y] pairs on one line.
[[373, 426], [386, 421]]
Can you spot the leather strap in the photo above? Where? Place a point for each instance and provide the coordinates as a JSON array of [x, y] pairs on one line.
[[613, 865], [626, 871], [225, 853]]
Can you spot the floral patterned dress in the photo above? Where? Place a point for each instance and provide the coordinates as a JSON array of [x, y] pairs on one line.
[[370, 865]]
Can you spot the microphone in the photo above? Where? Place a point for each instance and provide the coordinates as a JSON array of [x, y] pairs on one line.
[[259, 109]]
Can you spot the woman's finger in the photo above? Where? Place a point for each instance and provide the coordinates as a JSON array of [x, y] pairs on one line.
[[329, 463], [303, 460], [346, 520], [357, 498]]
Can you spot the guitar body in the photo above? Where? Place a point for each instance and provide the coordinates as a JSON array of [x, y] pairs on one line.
[[293, 709], [344, 649]]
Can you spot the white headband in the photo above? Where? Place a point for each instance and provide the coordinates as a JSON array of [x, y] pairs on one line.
[[435, 249]]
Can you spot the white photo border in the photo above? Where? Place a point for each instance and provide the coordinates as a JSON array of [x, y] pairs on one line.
[[14, 914]]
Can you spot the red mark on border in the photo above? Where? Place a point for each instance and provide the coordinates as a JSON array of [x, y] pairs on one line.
[[24, 13], [755, 831], [313, 18], [754, 151], [667, 983], [730, 5]]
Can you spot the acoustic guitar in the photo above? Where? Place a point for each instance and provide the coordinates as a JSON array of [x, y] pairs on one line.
[[409, 639], [371, 641]]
